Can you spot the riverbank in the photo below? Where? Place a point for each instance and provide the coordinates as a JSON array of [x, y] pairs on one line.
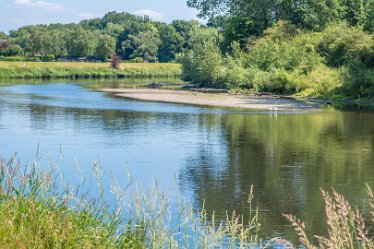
[[212, 99], [82, 70]]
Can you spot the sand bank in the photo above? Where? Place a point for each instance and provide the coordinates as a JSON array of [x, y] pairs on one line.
[[211, 99]]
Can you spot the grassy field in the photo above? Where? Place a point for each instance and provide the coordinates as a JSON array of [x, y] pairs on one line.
[[78, 70]]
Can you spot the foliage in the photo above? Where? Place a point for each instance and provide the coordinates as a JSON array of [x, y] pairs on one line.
[[134, 37], [105, 47], [202, 63], [144, 45], [80, 42], [171, 42]]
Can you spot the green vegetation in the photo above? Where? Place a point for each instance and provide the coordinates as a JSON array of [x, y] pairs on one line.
[[77, 70], [308, 48], [34, 214], [128, 36]]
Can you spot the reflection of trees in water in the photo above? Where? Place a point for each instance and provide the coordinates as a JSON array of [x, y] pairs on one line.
[[287, 158]]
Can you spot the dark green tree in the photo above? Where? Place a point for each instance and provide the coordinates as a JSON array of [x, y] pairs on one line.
[[171, 43], [105, 47], [353, 11], [81, 42], [144, 45]]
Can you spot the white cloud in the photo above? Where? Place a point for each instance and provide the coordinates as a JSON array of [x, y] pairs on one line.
[[40, 4], [152, 14]]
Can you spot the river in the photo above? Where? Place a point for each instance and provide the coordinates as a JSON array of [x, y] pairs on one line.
[[203, 154]]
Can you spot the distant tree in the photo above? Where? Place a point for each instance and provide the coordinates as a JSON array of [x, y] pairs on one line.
[[114, 30], [369, 19], [81, 42], [125, 46], [123, 18], [354, 11], [105, 47], [171, 43], [92, 24], [318, 13], [144, 45], [3, 35], [202, 63], [11, 50], [185, 29]]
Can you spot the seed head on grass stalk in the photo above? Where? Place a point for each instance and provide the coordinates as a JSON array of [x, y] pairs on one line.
[[346, 226]]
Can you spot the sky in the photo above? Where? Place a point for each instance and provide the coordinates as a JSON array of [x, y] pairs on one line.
[[18, 13]]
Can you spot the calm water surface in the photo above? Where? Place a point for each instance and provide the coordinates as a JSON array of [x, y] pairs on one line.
[[201, 153]]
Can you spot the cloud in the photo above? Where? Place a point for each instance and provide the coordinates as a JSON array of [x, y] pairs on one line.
[[152, 14], [40, 5], [30, 12]]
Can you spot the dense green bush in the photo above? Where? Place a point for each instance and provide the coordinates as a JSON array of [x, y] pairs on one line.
[[287, 60]]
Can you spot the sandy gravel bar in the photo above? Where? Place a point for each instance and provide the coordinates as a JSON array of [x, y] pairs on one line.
[[211, 99]]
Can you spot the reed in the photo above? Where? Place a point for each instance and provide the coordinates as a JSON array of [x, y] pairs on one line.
[[38, 209], [347, 228]]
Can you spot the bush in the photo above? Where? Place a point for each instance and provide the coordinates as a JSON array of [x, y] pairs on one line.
[[115, 62], [341, 44]]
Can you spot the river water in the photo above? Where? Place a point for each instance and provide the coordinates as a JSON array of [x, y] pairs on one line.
[[209, 155]]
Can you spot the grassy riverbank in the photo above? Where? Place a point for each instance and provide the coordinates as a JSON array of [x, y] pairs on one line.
[[80, 70], [35, 213]]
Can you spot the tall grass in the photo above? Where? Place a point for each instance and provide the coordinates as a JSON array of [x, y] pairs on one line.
[[35, 212], [77, 70], [347, 228], [39, 209]]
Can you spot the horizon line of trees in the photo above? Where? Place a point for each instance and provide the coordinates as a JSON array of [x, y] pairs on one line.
[[123, 34]]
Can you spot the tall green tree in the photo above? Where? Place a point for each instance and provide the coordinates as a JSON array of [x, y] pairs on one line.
[[81, 42], [144, 45], [105, 47], [354, 11], [316, 14], [171, 43], [202, 64], [369, 16]]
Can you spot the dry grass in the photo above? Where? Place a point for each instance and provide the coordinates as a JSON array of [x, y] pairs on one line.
[[347, 228]]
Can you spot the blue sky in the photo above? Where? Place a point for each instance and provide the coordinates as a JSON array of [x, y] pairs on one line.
[[17, 13]]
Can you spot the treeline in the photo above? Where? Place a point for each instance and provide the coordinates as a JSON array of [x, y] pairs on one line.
[[128, 36], [309, 47]]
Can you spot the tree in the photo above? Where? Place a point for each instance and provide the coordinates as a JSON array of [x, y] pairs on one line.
[[131, 29], [185, 30], [3, 35], [202, 64], [354, 12], [369, 16], [144, 45], [105, 47], [81, 42], [171, 43], [316, 14], [11, 50]]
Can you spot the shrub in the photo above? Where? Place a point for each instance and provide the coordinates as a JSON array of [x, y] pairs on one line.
[[116, 62]]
